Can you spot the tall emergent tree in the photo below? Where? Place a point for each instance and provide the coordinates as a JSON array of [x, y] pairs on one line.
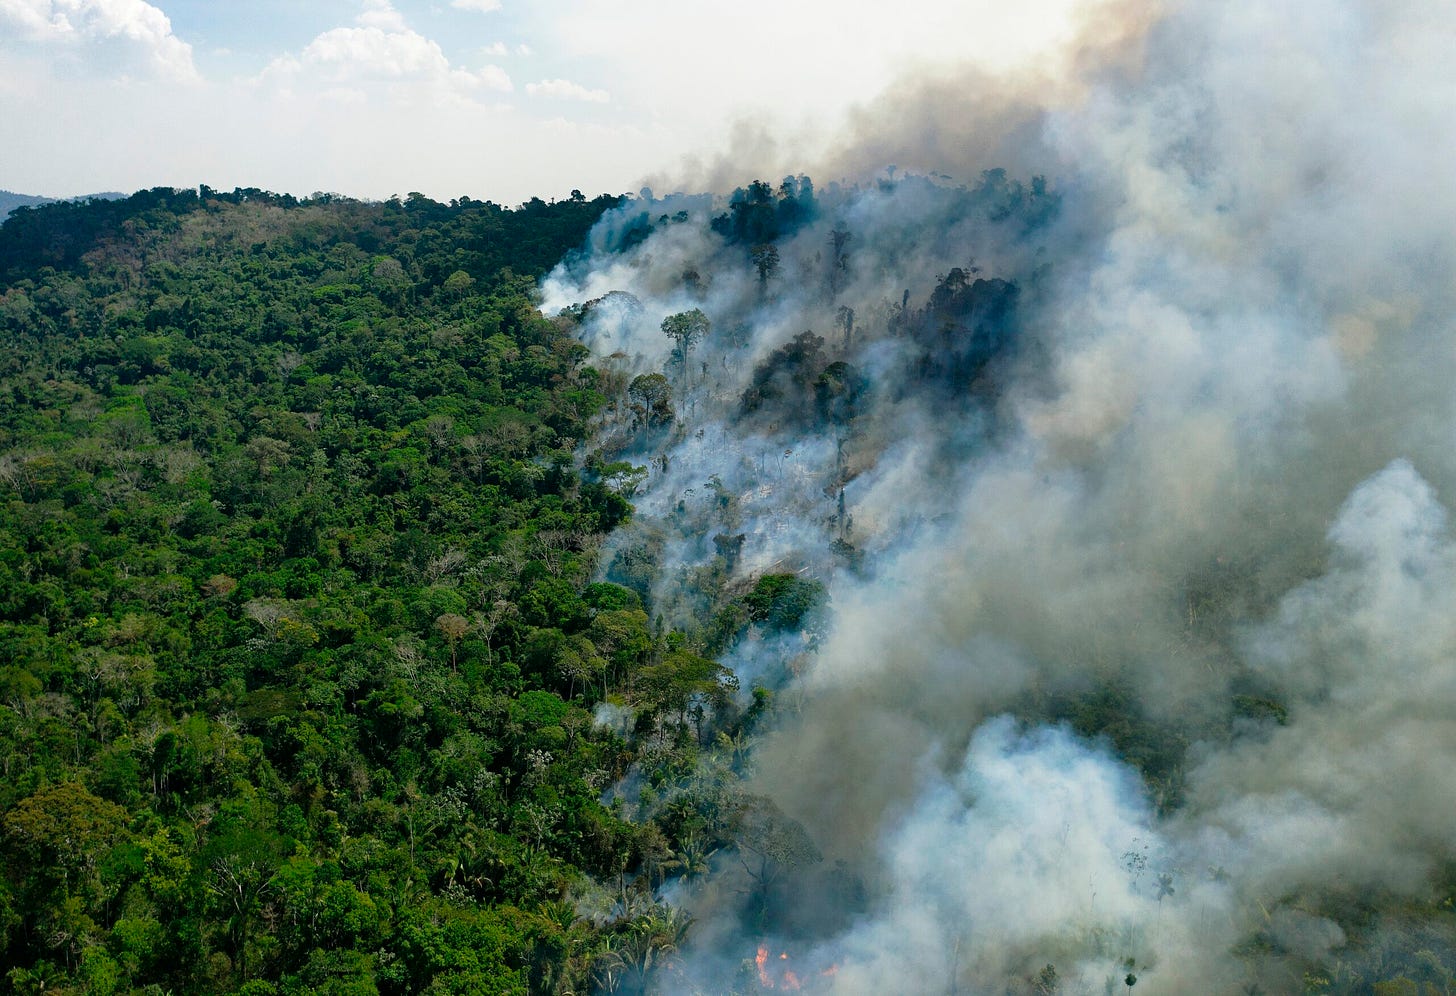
[[685, 328]]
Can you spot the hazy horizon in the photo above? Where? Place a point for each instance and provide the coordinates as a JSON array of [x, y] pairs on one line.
[[490, 99]]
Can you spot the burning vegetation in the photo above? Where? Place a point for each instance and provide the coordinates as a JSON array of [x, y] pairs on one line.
[[1123, 498]]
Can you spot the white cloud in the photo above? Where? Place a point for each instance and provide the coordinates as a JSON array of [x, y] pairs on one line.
[[500, 48], [484, 6], [381, 14], [282, 126], [495, 78], [382, 50], [567, 90], [372, 53], [144, 30]]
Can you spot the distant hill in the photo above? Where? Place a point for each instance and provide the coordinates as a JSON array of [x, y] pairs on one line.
[[9, 200]]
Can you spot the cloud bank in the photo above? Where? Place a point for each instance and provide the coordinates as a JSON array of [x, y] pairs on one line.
[[132, 31]]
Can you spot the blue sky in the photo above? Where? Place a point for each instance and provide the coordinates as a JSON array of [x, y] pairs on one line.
[[502, 99]]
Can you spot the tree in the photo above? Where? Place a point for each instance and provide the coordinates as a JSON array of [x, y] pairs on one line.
[[650, 941], [769, 842], [685, 328], [453, 628], [766, 260], [693, 858], [268, 454], [622, 636], [839, 261], [650, 398], [244, 857], [781, 601], [682, 680], [65, 823], [389, 278], [844, 322], [458, 284], [56, 843], [752, 216]]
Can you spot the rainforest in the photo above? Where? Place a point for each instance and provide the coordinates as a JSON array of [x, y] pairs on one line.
[[1009, 551]]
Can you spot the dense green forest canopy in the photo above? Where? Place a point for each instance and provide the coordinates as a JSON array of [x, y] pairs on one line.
[[302, 668]]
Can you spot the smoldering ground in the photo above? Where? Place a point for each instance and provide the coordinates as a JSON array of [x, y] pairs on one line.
[[1139, 663]]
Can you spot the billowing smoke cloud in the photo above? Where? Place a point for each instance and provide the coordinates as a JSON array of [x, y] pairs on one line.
[[1129, 490], [1034, 836]]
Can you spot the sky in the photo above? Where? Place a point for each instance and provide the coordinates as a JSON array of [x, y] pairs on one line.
[[494, 99]]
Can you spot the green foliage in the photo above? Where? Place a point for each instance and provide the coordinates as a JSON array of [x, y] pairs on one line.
[[781, 601], [650, 399], [685, 329], [757, 214], [298, 653], [605, 597]]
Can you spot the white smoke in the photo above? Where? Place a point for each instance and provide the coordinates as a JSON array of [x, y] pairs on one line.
[[1205, 494], [1038, 817]]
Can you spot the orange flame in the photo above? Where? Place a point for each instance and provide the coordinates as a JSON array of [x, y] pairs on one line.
[[761, 959], [782, 977], [831, 971]]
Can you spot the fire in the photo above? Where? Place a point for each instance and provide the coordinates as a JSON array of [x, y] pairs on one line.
[[791, 981], [782, 977], [831, 971]]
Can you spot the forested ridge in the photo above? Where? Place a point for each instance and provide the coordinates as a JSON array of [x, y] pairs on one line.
[[300, 647]]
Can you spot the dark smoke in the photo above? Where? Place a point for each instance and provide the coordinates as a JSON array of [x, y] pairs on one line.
[[1138, 660]]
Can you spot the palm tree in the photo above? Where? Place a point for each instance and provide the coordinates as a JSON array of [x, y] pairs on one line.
[[628, 960], [694, 858]]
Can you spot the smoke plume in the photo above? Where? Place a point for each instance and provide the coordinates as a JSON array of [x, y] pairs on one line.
[[1128, 487]]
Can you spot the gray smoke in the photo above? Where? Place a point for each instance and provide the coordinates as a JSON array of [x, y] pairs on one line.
[[1205, 488]]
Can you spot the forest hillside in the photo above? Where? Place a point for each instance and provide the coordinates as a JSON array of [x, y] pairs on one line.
[[299, 636]]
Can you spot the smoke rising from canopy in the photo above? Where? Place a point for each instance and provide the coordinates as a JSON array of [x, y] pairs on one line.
[[1194, 475]]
